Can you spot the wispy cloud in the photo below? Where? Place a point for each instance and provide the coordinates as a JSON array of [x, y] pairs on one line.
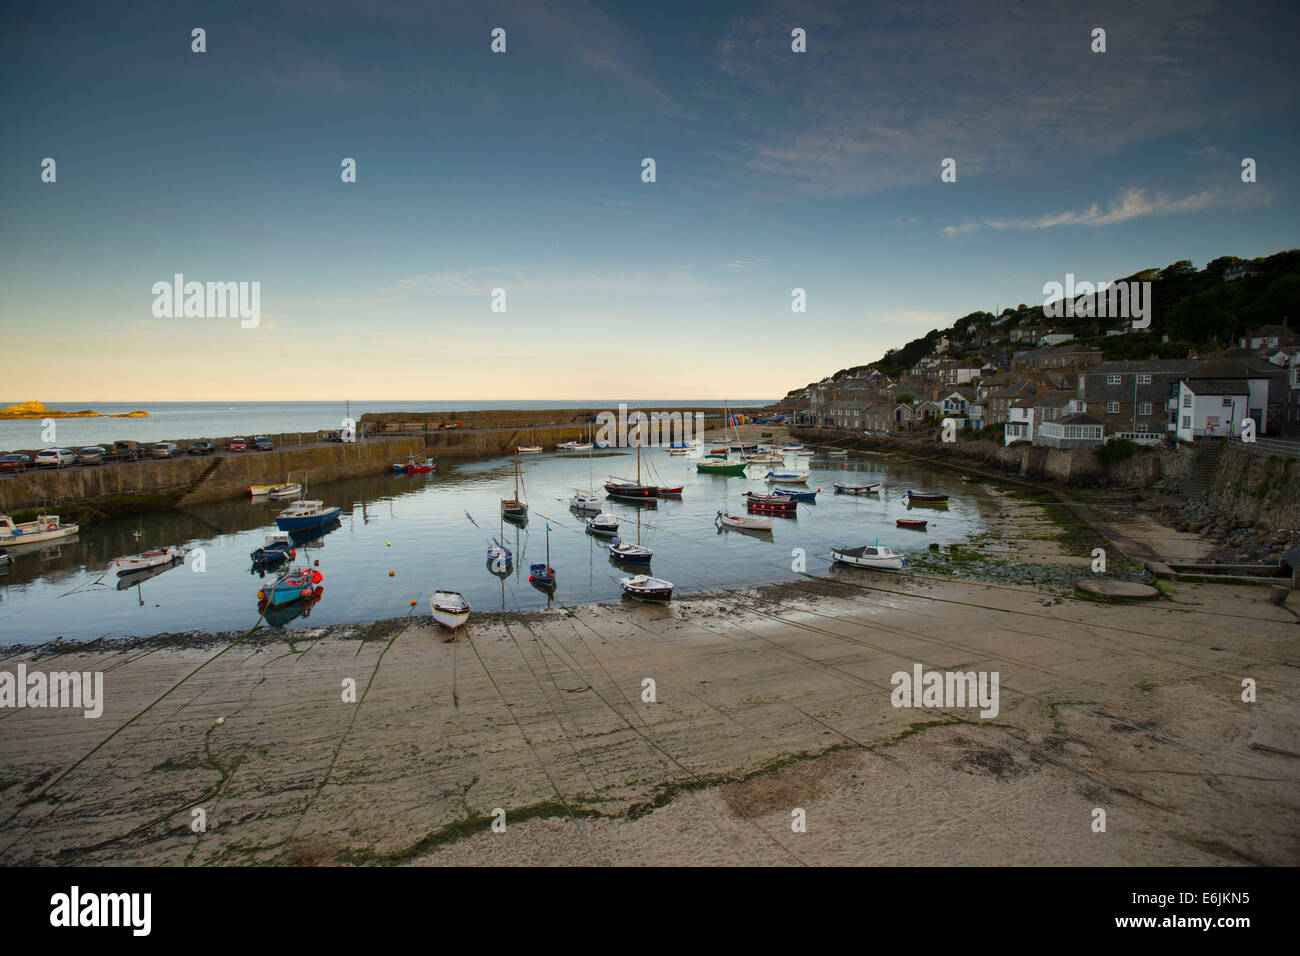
[[1132, 203]]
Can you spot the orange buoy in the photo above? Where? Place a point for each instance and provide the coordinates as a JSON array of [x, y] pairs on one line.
[[391, 573]]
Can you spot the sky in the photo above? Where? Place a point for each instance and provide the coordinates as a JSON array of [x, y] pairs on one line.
[[775, 170]]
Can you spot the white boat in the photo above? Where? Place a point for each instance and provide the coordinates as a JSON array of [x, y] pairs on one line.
[[148, 559], [44, 528], [679, 451], [840, 453], [870, 489], [788, 448], [582, 446], [306, 514], [645, 588], [450, 609], [744, 522], [870, 556], [528, 449], [764, 458], [788, 477], [582, 501], [603, 523], [290, 490], [260, 491]]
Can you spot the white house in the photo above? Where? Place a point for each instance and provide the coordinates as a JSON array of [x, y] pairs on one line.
[[1020, 422], [1055, 337], [1217, 406]]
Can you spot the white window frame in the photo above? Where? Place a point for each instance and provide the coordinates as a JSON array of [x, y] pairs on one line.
[[1112, 408], [1144, 379], [1114, 379]]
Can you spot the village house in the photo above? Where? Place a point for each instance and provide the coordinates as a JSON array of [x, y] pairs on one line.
[[1055, 337], [1058, 357], [999, 401], [1269, 337], [1218, 406], [1134, 397], [1076, 430]]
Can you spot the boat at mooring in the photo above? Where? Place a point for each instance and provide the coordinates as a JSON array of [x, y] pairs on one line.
[[449, 608], [869, 556]]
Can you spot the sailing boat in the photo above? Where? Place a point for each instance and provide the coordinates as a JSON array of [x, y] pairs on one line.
[[588, 500], [499, 556], [515, 509], [543, 575], [632, 490]]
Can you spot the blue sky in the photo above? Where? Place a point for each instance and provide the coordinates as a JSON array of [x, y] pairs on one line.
[[522, 170]]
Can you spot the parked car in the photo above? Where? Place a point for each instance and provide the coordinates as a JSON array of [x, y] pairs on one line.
[[238, 444], [125, 451], [16, 462], [333, 436], [55, 458], [262, 443], [203, 448], [165, 449], [94, 455]]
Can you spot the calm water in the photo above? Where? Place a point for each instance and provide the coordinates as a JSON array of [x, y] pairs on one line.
[[193, 420], [433, 530]]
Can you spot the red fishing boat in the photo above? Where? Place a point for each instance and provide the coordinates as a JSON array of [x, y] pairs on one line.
[[911, 523], [670, 492]]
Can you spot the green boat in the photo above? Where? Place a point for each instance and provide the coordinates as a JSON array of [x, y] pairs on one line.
[[721, 467]]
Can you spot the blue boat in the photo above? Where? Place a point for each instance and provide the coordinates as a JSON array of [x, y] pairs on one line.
[[292, 586], [306, 514], [278, 548], [500, 558], [543, 575], [797, 495]]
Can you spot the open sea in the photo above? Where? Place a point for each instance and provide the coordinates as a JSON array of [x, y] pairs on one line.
[[193, 420], [432, 532]]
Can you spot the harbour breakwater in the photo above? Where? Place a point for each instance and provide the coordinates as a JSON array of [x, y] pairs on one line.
[[88, 492]]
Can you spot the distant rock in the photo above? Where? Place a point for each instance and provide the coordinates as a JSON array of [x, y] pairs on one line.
[[37, 410]]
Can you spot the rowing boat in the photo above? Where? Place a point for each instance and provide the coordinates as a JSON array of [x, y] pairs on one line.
[[449, 608], [870, 489], [869, 556], [914, 523]]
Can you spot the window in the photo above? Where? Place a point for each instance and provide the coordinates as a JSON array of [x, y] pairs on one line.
[[1227, 403], [1144, 408], [1187, 421], [1142, 429], [1112, 408], [1187, 400], [1144, 379], [1112, 379], [1212, 421]]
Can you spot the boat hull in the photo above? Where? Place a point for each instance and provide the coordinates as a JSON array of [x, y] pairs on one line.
[[771, 504], [631, 492], [914, 525], [864, 558], [308, 521]]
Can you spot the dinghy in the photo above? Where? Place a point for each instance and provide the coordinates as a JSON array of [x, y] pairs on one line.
[[809, 496], [543, 575], [720, 466], [921, 498], [450, 609], [621, 550], [603, 523], [148, 559], [670, 492], [528, 449], [290, 490], [292, 585], [838, 453], [276, 549], [912, 523], [585, 502], [743, 522], [869, 556], [645, 588], [261, 491], [870, 489], [789, 477]]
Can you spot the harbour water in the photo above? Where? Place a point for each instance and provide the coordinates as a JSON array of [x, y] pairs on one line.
[[182, 420], [432, 531]]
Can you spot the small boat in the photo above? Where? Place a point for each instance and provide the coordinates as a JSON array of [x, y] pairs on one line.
[[291, 490], [914, 523], [583, 501], [789, 477], [869, 556], [133, 579], [262, 491], [678, 451], [450, 609], [797, 495], [413, 467], [718, 466], [564, 446], [278, 548], [290, 586], [582, 446], [645, 588], [4, 560], [148, 559], [718, 452], [921, 498], [631, 553], [528, 449], [771, 504], [543, 575], [515, 509], [792, 447], [44, 528], [499, 556], [670, 492], [764, 458], [744, 449], [870, 489], [838, 453], [743, 522], [603, 524], [306, 514]]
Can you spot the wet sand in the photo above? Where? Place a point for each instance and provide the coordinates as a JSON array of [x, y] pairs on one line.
[[766, 702]]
